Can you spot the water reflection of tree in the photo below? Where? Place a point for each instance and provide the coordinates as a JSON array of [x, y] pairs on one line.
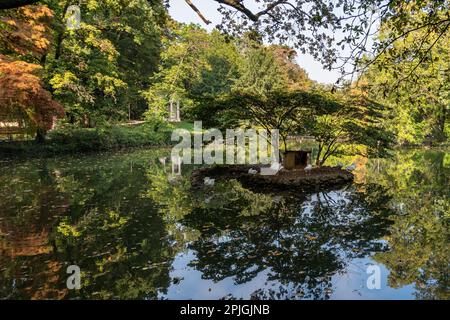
[[29, 207], [123, 221], [107, 227], [302, 241], [115, 234], [419, 251]]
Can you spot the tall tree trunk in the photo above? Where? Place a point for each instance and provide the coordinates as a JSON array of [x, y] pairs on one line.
[[60, 33], [40, 135], [318, 155], [284, 142], [442, 121]]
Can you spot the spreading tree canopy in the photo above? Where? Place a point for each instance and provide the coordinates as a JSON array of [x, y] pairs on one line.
[[313, 25], [339, 32]]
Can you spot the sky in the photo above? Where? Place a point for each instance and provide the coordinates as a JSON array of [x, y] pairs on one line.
[[181, 12]]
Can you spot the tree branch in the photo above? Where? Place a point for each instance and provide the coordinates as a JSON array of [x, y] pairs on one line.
[[197, 11], [270, 7], [239, 6], [236, 4]]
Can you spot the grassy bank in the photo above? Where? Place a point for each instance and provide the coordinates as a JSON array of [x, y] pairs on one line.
[[73, 140]]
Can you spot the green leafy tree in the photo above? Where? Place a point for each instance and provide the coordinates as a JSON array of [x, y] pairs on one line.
[[94, 69], [196, 66], [337, 121], [416, 88], [311, 25], [261, 73], [357, 125]]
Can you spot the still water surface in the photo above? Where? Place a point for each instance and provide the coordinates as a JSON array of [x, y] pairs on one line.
[[139, 232]]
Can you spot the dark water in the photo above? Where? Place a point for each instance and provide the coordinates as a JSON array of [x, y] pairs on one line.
[[137, 232]]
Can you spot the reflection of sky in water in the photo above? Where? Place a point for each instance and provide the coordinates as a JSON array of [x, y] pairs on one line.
[[347, 285], [351, 285]]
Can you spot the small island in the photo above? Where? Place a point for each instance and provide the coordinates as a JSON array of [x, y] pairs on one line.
[[295, 174], [297, 179]]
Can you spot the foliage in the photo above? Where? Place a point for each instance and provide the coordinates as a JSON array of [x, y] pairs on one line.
[[280, 110], [417, 89], [109, 138], [26, 31], [129, 57], [419, 236], [99, 69], [358, 122], [343, 118], [23, 97], [195, 66], [312, 25], [72, 139], [261, 73], [338, 32], [294, 76]]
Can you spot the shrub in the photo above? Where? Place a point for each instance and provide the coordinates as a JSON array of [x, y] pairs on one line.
[[72, 139]]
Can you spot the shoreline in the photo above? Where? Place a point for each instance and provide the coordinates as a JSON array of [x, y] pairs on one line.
[[323, 177]]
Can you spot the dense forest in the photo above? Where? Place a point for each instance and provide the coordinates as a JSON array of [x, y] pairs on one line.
[[129, 60]]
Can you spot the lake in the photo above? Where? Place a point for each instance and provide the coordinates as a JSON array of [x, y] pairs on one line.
[[138, 231]]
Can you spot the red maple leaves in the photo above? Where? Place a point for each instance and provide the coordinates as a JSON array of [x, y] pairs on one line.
[[23, 98]]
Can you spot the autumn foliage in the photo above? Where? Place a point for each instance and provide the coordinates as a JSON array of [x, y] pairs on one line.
[[26, 31], [23, 98]]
